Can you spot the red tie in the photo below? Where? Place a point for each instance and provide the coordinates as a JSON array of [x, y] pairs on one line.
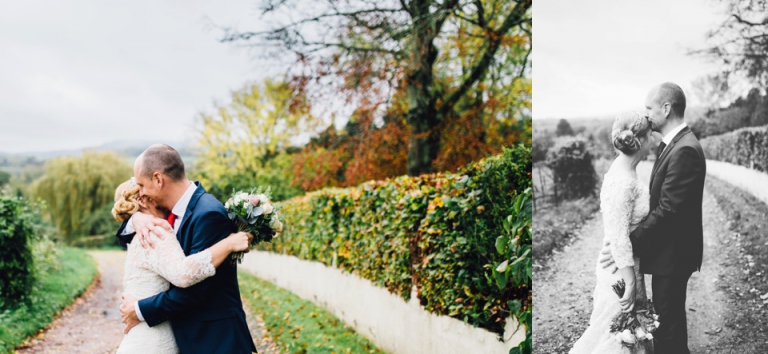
[[171, 218]]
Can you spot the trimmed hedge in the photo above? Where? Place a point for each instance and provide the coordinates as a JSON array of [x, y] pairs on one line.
[[17, 268], [746, 147], [436, 232]]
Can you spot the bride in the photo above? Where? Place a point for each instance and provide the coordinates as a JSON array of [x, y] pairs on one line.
[[150, 271], [624, 202]]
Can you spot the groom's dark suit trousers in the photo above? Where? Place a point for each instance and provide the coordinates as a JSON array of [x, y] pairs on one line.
[[669, 302]]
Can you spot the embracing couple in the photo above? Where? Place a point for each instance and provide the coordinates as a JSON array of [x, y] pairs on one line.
[[654, 229], [180, 292]]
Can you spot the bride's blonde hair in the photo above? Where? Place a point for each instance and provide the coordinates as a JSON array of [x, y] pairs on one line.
[[126, 200], [628, 127]]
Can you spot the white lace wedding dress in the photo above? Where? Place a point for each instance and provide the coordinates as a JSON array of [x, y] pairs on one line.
[[149, 271], [624, 202]]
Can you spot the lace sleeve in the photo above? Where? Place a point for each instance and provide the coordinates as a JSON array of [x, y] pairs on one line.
[[618, 204], [168, 260]]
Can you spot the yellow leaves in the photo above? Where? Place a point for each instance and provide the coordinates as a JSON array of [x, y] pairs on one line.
[[438, 202], [258, 121]]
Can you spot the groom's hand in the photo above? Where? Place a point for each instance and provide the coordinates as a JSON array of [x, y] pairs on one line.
[[128, 312], [144, 223], [605, 259]]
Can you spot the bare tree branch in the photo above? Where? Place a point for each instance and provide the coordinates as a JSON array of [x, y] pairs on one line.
[[515, 18]]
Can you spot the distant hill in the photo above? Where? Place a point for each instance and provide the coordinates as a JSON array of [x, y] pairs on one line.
[[126, 148], [129, 149], [587, 124]]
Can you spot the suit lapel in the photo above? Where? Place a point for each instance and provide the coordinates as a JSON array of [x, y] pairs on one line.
[[666, 153], [190, 207]]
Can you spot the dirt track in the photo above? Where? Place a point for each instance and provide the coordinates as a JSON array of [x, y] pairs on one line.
[[93, 323]]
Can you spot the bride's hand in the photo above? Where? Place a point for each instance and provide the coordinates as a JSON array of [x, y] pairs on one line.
[[628, 300], [144, 223]]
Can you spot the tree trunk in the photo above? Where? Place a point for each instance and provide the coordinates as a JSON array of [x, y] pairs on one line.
[[423, 140]]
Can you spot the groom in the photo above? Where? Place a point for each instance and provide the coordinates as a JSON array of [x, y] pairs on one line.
[[669, 241], [207, 317]]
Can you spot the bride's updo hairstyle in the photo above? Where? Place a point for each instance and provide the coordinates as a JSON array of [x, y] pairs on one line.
[[627, 130], [126, 200]]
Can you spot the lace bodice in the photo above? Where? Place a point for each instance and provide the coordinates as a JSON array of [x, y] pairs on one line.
[[624, 202], [150, 271]]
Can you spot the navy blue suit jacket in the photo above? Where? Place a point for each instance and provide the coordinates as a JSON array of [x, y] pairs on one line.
[[207, 317]]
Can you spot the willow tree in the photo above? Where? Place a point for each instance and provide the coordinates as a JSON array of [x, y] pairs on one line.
[[243, 143], [75, 187], [372, 45]]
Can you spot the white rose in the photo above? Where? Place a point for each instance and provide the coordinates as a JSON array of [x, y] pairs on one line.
[[263, 198], [267, 208], [627, 337], [649, 336], [656, 324], [278, 227], [640, 333]]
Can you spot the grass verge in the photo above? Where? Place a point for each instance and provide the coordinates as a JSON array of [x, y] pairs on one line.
[[52, 293], [554, 226], [746, 278], [297, 325]]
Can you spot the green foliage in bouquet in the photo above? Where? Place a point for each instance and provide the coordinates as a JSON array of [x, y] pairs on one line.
[[17, 274], [436, 232], [747, 147]]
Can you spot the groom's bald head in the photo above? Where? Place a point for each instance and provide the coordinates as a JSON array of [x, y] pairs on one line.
[[670, 93], [164, 159]]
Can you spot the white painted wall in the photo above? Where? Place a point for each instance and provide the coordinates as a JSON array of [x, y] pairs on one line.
[[394, 325], [749, 180]]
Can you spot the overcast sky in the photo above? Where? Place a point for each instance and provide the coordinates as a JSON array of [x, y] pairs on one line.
[[594, 58], [77, 74]]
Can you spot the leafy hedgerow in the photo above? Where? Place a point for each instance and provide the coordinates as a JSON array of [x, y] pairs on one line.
[[746, 147], [17, 270], [437, 232]]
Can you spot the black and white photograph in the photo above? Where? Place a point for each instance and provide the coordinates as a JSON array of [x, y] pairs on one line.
[[650, 177]]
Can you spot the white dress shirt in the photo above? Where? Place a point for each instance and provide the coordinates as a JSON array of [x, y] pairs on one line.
[[179, 209], [671, 135]]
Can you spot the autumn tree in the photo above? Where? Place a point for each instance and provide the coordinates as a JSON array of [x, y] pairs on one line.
[[75, 187], [243, 143], [368, 50]]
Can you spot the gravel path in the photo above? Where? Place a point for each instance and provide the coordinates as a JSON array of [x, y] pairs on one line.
[[92, 324], [563, 289]]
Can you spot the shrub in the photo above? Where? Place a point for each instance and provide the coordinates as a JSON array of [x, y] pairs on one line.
[[50, 294], [746, 147], [571, 164], [16, 260], [436, 232]]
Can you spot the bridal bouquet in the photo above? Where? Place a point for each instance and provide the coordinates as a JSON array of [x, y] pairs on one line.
[[635, 327], [254, 213]]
